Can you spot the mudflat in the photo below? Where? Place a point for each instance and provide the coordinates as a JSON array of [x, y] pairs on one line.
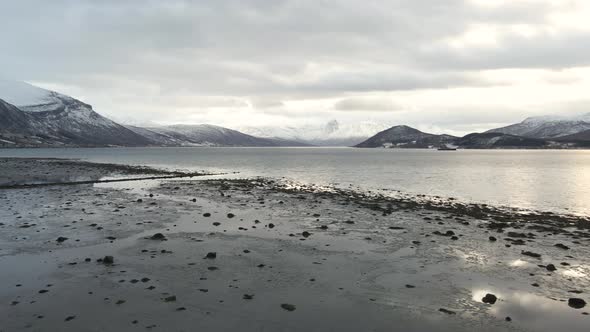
[[178, 251]]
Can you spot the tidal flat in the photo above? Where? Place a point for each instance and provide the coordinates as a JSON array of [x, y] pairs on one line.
[[178, 251]]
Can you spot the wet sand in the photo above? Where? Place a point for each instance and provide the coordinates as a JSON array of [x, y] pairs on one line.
[[211, 254]]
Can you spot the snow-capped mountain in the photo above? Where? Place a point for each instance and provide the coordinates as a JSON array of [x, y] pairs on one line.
[[405, 137], [57, 119], [547, 126], [205, 135], [332, 133], [31, 116]]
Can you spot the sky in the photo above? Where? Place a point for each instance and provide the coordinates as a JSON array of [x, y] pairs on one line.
[[454, 66]]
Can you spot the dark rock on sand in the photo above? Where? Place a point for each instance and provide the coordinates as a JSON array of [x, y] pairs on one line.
[[170, 299], [562, 246], [207, 215], [489, 299], [61, 239], [248, 297], [69, 318], [306, 234], [108, 260], [158, 236], [446, 311], [491, 238], [551, 267], [211, 255], [531, 254], [230, 215], [576, 303], [288, 307]]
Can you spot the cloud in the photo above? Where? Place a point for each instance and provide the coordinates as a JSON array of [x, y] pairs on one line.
[[367, 104], [203, 60]]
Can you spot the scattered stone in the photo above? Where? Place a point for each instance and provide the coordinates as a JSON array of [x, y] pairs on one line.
[[248, 297], [531, 254], [170, 299], [508, 319], [207, 215], [108, 260], [493, 239], [410, 286], [576, 303], [61, 239], [288, 307], [306, 234], [217, 223], [69, 318], [446, 311], [489, 299], [551, 267], [211, 255], [562, 246], [230, 215], [158, 236], [271, 225]]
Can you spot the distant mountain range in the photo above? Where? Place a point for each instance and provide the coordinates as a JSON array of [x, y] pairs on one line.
[[332, 133], [35, 117], [532, 133]]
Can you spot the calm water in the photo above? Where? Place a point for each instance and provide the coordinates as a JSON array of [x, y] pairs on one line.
[[544, 179]]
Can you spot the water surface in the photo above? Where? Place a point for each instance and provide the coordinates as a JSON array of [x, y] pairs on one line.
[[552, 180]]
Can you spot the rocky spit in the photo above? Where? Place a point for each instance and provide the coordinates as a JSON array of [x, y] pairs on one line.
[[177, 251]]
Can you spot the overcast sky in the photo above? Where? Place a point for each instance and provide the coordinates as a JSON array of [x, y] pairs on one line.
[[439, 65]]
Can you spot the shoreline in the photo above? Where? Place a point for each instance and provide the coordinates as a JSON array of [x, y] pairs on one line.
[[343, 260]]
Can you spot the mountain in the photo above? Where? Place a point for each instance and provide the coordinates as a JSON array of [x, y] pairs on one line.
[[206, 135], [61, 120], [405, 137], [583, 136], [547, 126], [35, 117], [492, 140], [332, 133]]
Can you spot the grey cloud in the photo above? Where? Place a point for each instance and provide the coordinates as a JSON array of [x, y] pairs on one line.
[[367, 104]]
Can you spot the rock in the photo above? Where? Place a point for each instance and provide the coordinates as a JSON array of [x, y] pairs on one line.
[[158, 236], [446, 311], [508, 319], [61, 239], [576, 303], [139, 200], [120, 302], [181, 309], [69, 318], [551, 267], [271, 225], [288, 307], [211, 255], [216, 223], [493, 239], [489, 299], [248, 297], [108, 260], [207, 215], [230, 215], [306, 234], [562, 246], [531, 254], [171, 298], [410, 286]]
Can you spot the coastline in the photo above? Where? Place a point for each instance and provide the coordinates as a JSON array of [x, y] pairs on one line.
[[345, 260]]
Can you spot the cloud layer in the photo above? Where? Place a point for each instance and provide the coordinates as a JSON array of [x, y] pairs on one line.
[[285, 62]]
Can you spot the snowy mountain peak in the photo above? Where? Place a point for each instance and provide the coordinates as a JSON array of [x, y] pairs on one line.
[[30, 98]]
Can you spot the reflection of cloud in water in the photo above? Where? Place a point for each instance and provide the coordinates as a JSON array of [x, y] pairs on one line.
[[519, 263], [575, 273], [533, 311]]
